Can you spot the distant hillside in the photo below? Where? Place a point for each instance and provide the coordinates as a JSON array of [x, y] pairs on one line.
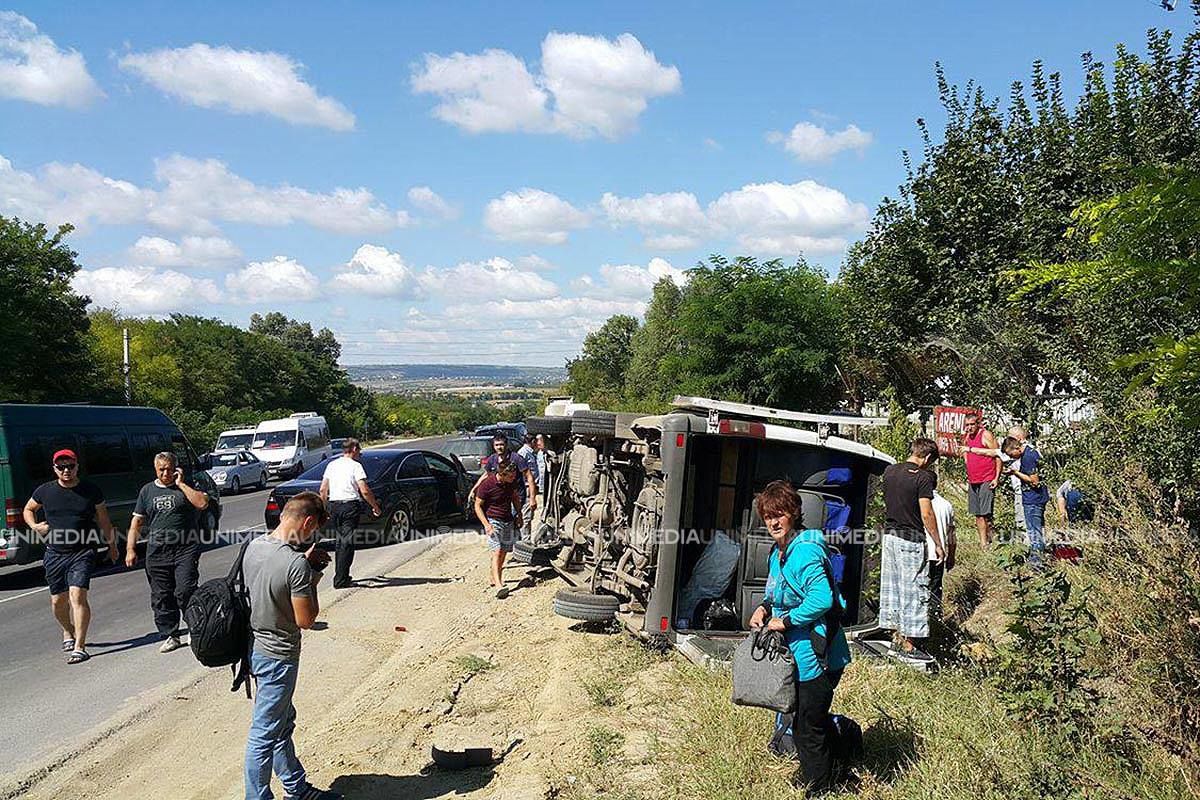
[[378, 376]]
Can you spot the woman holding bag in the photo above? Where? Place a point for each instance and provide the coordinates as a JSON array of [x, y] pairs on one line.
[[802, 602]]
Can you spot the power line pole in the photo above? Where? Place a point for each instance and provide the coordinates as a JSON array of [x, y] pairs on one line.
[[125, 370]]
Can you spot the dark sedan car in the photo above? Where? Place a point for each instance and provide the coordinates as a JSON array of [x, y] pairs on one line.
[[417, 490], [471, 449]]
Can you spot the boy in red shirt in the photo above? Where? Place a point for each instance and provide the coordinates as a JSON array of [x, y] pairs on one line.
[[497, 504]]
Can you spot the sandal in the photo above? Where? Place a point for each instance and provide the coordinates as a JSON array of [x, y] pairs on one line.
[[68, 645], [78, 657]]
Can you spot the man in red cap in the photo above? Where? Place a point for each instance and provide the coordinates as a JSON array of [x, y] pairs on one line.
[[72, 510]]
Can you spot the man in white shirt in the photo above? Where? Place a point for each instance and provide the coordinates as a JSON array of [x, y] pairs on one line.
[[344, 488]]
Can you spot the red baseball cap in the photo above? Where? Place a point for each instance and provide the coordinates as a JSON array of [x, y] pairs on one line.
[[65, 454]]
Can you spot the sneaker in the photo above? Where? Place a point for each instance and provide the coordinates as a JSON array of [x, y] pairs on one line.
[[171, 643], [313, 793], [502, 593]]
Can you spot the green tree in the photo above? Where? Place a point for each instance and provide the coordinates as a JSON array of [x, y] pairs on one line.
[[647, 379], [598, 375], [43, 322]]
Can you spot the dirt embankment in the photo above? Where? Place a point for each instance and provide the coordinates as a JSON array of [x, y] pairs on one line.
[[468, 670]]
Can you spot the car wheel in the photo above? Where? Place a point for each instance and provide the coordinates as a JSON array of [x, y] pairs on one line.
[[235, 485], [399, 526], [548, 426], [585, 605], [594, 423]]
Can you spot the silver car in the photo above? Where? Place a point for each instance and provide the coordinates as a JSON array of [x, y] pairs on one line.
[[233, 469]]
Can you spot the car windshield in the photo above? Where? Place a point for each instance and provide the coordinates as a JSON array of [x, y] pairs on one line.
[[270, 440], [373, 464], [233, 441], [225, 460], [469, 447]]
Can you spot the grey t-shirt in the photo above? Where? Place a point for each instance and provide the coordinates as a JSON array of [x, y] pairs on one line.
[[274, 574]]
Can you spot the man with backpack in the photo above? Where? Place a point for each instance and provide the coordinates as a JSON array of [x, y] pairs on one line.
[[281, 570]]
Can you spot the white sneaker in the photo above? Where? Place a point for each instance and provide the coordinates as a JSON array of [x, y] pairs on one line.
[[171, 643]]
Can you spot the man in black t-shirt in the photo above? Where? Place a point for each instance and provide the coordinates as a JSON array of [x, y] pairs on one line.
[[168, 510], [904, 574], [72, 510]]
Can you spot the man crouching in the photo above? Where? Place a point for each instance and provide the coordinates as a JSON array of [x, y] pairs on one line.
[[282, 570], [497, 504]]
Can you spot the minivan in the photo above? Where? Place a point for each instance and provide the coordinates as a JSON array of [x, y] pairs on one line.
[[116, 446], [291, 445]]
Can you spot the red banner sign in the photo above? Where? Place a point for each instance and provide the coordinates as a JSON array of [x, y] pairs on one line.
[[948, 427]]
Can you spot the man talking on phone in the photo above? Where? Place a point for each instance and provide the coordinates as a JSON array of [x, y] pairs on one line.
[[168, 512]]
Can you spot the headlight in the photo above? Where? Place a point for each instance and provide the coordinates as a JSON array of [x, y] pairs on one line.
[[219, 477]]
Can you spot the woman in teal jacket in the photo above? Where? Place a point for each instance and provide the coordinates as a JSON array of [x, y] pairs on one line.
[[800, 594]]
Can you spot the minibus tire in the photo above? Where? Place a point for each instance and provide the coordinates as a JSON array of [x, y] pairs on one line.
[[548, 426], [585, 605], [594, 423]]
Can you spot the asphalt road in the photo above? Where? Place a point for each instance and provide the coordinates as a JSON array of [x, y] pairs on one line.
[[48, 704]]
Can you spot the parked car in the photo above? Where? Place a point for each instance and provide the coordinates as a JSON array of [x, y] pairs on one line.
[[471, 450], [335, 446], [635, 502], [231, 470], [116, 447], [515, 431], [416, 489]]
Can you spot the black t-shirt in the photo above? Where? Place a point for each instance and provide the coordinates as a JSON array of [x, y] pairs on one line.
[[170, 518], [71, 514], [904, 484]]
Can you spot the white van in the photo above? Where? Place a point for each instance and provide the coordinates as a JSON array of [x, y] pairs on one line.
[[235, 439], [290, 446]]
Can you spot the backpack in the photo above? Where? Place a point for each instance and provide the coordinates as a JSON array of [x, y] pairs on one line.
[[844, 735], [218, 620]]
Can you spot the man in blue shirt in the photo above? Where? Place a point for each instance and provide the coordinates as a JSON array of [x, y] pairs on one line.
[[1034, 495]]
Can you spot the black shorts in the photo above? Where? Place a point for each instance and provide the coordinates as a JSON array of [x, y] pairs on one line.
[[68, 569]]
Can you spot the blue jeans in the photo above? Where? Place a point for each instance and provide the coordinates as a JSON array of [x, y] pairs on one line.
[[1035, 519], [269, 745]]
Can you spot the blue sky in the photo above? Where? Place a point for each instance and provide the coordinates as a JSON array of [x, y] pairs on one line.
[[481, 182]]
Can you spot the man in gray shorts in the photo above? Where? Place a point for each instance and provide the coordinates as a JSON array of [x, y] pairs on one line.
[[498, 504]]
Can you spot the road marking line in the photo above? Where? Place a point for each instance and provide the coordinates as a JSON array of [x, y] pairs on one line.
[[25, 594]]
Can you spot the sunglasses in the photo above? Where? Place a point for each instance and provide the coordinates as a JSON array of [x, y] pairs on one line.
[[65, 467]]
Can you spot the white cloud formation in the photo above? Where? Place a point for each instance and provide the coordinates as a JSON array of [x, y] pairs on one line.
[[190, 251], [194, 195], [588, 86], [773, 218], [494, 278], [429, 201], [809, 142], [677, 213], [33, 68], [764, 218], [280, 280], [533, 215], [536, 263], [240, 81], [143, 290], [375, 271], [629, 280]]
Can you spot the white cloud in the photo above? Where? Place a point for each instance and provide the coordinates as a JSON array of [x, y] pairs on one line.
[[431, 202], [677, 213], [376, 271], [767, 216], [197, 192], [790, 245], [280, 280], [143, 290], [190, 251], [629, 280], [241, 81], [494, 278], [535, 263], [808, 142], [194, 195], [33, 68], [532, 215], [588, 86]]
